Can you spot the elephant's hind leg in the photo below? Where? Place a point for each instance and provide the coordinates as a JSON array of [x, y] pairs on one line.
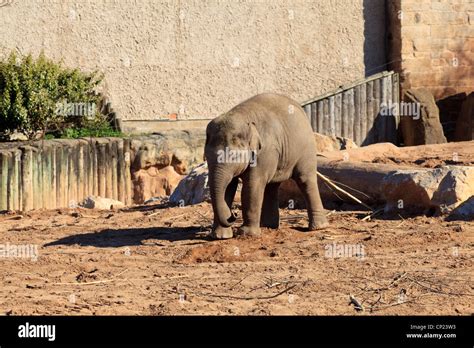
[[270, 214], [307, 181]]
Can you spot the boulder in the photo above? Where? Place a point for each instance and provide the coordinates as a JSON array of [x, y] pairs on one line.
[[193, 189], [424, 128], [455, 187], [154, 182], [465, 211], [441, 188], [332, 143], [101, 203], [408, 189]]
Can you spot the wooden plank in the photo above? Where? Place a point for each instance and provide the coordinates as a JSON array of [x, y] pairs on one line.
[[307, 110], [16, 162], [363, 113], [65, 175], [37, 176], [345, 114], [121, 172], [390, 120], [338, 114], [80, 171], [101, 170], [58, 175], [94, 191], [320, 117], [27, 178], [370, 113], [326, 117], [332, 117], [108, 170], [46, 175], [383, 119], [314, 117], [356, 133], [396, 99], [4, 159], [350, 114], [376, 105], [114, 160], [128, 174]]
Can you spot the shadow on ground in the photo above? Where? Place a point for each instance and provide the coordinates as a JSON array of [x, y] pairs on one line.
[[115, 238]]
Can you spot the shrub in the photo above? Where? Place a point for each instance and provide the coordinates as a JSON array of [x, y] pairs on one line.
[[31, 90]]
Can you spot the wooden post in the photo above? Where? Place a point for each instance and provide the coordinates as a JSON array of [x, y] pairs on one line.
[[27, 178], [114, 160], [128, 174], [101, 168], [4, 159], [121, 171], [363, 113], [356, 134], [338, 114]]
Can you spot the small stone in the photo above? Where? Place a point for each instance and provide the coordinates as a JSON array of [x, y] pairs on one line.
[[94, 202]]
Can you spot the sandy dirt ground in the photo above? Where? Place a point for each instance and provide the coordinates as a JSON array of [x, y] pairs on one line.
[[159, 261]]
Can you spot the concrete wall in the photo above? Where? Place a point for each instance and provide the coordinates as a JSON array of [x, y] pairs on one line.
[[433, 44], [199, 58]]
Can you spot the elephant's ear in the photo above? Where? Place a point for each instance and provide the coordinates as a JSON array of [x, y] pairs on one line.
[[255, 142]]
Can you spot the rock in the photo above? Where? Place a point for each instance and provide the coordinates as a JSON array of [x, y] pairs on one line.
[[332, 143], [180, 149], [465, 211], [94, 202], [154, 182], [456, 187], [193, 189], [411, 188], [442, 188], [160, 161], [465, 121], [426, 129]]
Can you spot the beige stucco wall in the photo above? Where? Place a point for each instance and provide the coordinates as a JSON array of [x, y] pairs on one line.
[[199, 58]]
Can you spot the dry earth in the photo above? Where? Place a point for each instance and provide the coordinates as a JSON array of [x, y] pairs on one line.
[[159, 261]]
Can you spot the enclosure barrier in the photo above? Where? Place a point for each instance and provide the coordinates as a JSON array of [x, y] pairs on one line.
[[354, 111], [61, 173]]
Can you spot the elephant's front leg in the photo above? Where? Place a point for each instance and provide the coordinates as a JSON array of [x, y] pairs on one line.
[[218, 231], [270, 213], [252, 199]]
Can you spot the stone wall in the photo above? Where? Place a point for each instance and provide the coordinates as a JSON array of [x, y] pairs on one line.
[[199, 58], [432, 44]]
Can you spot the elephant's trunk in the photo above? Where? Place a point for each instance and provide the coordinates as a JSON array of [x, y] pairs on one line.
[[219, 179]]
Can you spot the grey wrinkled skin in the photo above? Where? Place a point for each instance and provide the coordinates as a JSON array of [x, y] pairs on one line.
[[278, 130]]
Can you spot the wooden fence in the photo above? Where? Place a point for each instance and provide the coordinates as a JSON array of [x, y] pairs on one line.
[[61, 173], [354, 111]]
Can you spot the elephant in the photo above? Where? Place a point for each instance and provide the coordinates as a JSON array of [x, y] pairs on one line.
[[264, 141]]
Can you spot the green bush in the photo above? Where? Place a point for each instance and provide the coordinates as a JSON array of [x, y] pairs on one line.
[[31, 91]]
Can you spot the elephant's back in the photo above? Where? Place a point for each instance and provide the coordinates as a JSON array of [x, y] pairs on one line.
[[275, 107]]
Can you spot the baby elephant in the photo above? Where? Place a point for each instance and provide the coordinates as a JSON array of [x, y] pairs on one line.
[[265, 140]]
